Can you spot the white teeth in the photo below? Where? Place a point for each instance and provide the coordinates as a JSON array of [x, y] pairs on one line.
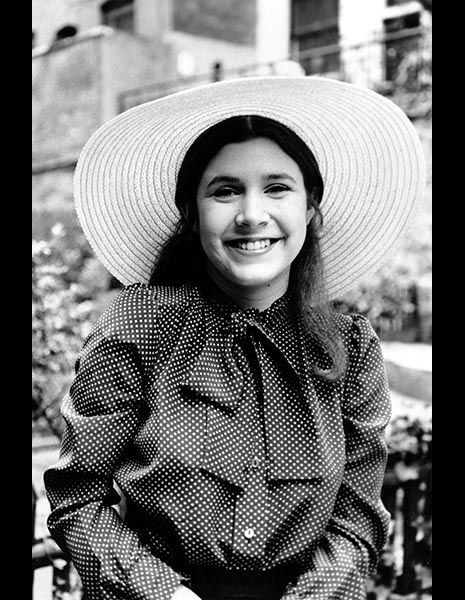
[[256, 245]]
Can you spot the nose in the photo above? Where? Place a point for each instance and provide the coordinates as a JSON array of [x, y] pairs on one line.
[[252, 211]]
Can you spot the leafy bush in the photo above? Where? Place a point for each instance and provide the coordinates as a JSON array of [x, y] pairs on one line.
[[62, 315], [397, 299]]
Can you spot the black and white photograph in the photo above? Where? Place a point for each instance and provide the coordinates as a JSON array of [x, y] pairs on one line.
[[231, 300]]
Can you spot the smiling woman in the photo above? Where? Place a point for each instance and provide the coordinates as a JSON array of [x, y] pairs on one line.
[[251, 188], [242, 418], [247, 198], [252, 224]]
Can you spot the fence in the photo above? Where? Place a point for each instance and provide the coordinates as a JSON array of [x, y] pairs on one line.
[[398, 60], [45, 553]]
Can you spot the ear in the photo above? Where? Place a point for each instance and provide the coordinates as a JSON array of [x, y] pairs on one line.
[[310, 214]]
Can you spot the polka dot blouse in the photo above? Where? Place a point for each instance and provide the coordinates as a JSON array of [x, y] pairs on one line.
[[228, 451]]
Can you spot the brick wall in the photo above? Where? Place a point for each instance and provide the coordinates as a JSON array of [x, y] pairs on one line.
[[75, 89], [65, 100]]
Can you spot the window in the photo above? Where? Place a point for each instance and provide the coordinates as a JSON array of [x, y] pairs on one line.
[[315, 25], [65, 32], [118, 14], [402, 40]]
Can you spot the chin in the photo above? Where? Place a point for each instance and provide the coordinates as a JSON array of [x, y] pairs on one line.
[[253, 280]]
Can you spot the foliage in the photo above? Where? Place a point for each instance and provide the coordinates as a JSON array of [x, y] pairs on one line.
[[61, 319], [409, 443], [397, 299]]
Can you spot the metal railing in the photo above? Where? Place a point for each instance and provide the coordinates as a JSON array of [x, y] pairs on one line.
[[397, 59], [46, 553]]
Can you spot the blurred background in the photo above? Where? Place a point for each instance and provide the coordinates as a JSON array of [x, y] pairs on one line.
[[92, 59]]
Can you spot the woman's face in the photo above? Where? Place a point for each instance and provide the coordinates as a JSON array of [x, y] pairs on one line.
[[253, 216]]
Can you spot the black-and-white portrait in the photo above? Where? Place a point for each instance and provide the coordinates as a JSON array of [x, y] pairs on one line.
[[232, 304]]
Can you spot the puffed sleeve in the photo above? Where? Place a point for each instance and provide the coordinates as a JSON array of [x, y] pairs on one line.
[[346, 555], [101, 414]]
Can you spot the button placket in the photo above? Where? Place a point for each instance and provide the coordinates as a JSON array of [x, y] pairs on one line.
[[251, 505]]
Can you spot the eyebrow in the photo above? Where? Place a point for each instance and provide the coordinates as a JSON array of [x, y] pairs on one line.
[[229, 179], [223, 179]]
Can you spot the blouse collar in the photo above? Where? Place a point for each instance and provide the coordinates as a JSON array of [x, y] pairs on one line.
[[229, 311]]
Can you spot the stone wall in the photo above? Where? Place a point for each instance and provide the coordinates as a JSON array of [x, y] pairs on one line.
[[75, 89], [66, 106]]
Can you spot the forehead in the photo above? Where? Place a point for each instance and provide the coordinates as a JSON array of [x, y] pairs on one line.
[[259, 155]]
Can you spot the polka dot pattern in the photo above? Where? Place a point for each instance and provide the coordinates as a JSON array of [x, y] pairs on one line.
[[229, 452]]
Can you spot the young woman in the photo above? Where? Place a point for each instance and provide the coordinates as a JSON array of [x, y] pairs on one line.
[[242, 419]]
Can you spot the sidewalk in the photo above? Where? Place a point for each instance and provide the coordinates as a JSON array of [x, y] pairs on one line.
[[409, 368]]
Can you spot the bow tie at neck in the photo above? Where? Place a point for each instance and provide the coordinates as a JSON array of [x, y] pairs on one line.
[[236, 319], [227, 326], [241, 321], [273, 341]]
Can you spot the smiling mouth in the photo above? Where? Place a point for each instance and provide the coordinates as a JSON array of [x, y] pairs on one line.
[[252, 245]]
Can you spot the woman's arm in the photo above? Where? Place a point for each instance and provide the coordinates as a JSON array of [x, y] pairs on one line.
[[347, 554], [101, 414]]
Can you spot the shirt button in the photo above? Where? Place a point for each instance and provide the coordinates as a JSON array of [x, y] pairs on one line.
[[255, 463], [249, 533]]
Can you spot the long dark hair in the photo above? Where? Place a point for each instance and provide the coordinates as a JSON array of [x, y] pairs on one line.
[[182, 259]]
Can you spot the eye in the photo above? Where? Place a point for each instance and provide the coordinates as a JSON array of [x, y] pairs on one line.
[[277, 189], [226, 192]]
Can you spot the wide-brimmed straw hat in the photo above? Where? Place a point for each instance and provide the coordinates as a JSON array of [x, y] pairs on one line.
[[369, 154]]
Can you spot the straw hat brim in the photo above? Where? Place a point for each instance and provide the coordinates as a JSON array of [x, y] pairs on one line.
[[369, 154]]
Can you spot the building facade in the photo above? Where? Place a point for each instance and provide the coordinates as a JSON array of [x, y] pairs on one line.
[[89, 54], [361, 41], [91, 59]]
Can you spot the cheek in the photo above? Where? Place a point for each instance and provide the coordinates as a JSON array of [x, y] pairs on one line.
[[212, 223], [297, 223], [206, 226], [213, 219]]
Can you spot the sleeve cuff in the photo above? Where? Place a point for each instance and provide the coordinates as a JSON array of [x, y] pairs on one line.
[[151, 579]]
